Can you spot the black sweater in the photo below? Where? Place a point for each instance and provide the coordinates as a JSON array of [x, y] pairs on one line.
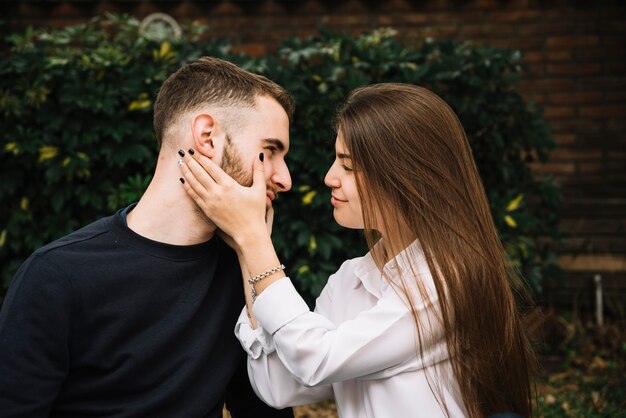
[[106, 323]]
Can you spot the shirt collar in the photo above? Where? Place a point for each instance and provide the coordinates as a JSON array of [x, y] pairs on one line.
[[372, 279]]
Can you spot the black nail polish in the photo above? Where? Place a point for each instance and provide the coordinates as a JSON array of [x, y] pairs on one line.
[[182, 180], [181, 152], [261, 156], [191, 151]]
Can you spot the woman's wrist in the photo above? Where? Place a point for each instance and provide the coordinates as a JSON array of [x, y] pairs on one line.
[[255, 237]]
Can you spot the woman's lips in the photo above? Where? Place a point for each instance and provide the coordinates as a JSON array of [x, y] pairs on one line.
[[336, 202]]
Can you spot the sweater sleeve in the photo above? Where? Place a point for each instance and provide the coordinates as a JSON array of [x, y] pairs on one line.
[[34, 339]]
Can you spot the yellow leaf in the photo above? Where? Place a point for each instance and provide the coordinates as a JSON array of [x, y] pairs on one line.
[[316, 78], [514, 204], [47, 152], [304, 188], [3, 237], [139, 104], [308, 198], [24, 203], [84, 173], [66, 161], [165, 48], [312, 244], [11, 147], [82, 156], [303, 269], [510, 221]]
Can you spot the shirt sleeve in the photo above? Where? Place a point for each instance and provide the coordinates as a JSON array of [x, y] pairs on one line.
[[34, 333], [269, 377], [379, 342]]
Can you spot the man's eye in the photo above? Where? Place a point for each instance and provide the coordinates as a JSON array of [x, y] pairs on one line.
[[271, 149]]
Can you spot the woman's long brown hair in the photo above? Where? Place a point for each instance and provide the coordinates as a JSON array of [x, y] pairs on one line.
[[418, 180]]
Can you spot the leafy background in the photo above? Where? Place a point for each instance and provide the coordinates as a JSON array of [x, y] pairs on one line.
[[77, 139]]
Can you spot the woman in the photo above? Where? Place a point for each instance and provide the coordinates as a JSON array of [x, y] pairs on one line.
[[426, 323]]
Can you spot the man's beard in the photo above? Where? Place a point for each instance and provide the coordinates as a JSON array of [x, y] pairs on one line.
[[233, 165]]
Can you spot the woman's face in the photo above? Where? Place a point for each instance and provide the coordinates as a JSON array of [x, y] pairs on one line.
[[345, 197]]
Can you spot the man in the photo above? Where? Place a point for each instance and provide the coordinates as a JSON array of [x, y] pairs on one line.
[[133, 315]]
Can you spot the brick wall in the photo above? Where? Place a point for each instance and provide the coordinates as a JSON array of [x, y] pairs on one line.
[[576, 52]]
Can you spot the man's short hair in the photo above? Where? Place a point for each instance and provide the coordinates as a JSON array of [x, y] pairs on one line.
[[215, 82]]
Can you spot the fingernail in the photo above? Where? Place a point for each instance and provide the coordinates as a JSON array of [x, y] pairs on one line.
[[191, 151], [261, 156], [182, 180], [180, 163], [181, 152]]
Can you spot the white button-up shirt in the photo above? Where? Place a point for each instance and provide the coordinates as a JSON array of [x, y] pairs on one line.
[[360, 346]]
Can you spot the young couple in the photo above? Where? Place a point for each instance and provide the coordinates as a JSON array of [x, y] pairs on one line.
[[133, 314]]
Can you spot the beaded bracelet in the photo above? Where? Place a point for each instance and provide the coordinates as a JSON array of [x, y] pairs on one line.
[[261, 276]]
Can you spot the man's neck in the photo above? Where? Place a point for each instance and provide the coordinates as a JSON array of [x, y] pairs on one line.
[[165, 213]]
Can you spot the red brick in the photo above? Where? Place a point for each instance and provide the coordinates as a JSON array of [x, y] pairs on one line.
[[32, 10], [608, 82], [574, 69], [579, 125], [487, 30], [572, 41], [226, 8], [396, 6], [614, 41], [412, 18], [548, 84], [604, 111], [312, 7], [269, 7], [558, 112], [466, 17], [569, 154], [483, 4], [574, 97], [255, 50], [351, 6], [615, 26], [515, 16], [66, 10], [554, 168], [187, 9], [615, 68], [544, 29], [533, 56], [559, 55], [564, 139], [591, 167], [615, 96], [108, 7]]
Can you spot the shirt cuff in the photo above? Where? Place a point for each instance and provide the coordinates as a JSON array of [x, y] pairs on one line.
[[279, 304], [254, 341]]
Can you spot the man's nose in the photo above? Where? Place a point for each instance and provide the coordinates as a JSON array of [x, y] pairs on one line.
[[281, 178]]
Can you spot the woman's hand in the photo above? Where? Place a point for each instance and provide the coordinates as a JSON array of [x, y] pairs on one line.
[[237, 210]]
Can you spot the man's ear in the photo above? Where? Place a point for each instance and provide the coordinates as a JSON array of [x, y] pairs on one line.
[[203, 131]]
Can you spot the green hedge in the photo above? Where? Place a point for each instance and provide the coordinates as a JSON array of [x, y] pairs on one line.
[[77, 138]]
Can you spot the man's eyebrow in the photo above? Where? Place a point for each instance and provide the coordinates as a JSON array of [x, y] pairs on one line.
[[275, 142], [344, 156]]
